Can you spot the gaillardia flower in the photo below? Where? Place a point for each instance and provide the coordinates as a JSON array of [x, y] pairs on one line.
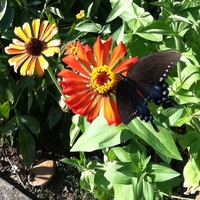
[[36, 43], [90, 87]]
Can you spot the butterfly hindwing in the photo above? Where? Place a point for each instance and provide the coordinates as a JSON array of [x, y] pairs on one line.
[[131, 104]]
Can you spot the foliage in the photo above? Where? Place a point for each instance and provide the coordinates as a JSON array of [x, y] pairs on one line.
[[127, 170]]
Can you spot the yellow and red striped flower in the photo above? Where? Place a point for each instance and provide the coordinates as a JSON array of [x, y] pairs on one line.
[[35, 43], [91, 86]]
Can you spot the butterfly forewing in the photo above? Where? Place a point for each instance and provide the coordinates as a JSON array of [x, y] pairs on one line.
[[155, 67]]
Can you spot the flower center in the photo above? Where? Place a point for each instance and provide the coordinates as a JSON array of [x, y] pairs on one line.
[[102, 79], [73, 50], [34, 46]]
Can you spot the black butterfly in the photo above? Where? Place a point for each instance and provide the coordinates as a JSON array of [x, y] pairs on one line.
[[145, 81]]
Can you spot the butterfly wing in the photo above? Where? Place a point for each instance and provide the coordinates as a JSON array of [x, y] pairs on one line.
[[155, 67], [150, 73], [131, 104]]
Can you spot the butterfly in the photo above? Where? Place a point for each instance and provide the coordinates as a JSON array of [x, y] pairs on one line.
[[145, 82]]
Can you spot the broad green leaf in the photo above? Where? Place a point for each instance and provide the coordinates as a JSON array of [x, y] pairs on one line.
[[188, 138], [99, 135], [191, 174], [151, 36], [118, 35], [183, 120], [178, 18], [183, 96], [148, 190], [3, 7], [138, 47], [117, 175], [171, 115], [54, 116], [156, 27], [190, 75], [56, 11], [162, 141], [88, 27], [5, 110], [119, 6], [10, 127], [121, 154], [9, 94], [27, 145], [31, 123], [161, 172], [24, 82], [101, 181], [123, 192]]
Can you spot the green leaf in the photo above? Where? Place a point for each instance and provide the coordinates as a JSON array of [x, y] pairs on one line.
[[88, 27], [9, 94], [27, 145], [190, 75], [121, 154], [116, 174], [54, 116], [87, 180], [148, 190], [99, 135], [162, 141], [151, 37], [3, 7], [190, 137], [119, 7], [183, 96], [6, 16], [191, 174], [123, 192], [31, 123], [171, 115], [56, 11], [5, 110], [156, 27], [161, 173], [118, 35], [24, 82], [9, 131]]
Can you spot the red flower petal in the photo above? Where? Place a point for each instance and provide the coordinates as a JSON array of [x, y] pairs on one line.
[[125, 65], [111, 112], [95, 111], [83, 58], [90, 56], [106, 50], [74, 64], [98, 51], [118, 52]]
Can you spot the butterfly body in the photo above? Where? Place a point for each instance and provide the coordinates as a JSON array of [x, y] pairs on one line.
[[145, 81]]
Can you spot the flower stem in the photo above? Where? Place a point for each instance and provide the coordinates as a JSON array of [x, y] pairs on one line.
[[54, 80]]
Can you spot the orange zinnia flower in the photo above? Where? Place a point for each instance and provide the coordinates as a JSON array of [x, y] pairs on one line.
[[93, 87], [72, 48], [35, 44]]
